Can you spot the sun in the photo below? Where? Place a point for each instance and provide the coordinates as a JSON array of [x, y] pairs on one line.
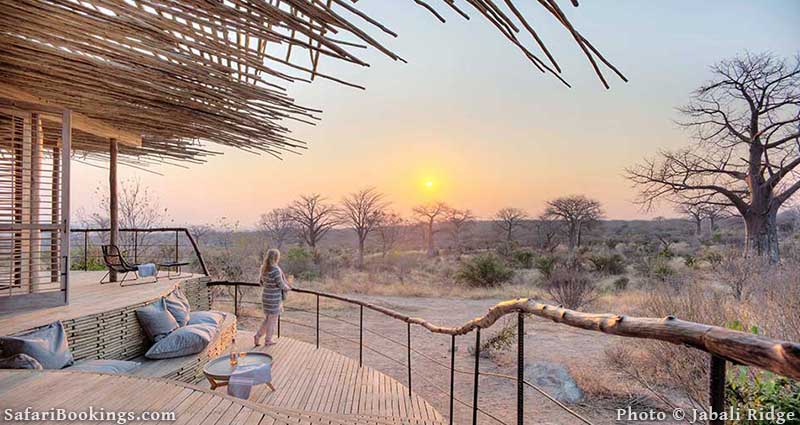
[[429, 184]]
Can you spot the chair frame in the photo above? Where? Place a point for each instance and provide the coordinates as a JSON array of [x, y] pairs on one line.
[[122, 267]]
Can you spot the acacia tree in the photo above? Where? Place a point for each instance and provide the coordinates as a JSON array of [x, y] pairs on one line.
[[509, 219], [576, 212], [389, 229], [362, 210], [429, 215], [314, 219], [278, 225], [457, 223], [745, 123]]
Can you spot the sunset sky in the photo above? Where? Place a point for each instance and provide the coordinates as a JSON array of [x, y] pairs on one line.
[[469, 114]]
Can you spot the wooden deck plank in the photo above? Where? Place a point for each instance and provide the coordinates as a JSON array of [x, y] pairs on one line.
[[323, 382]]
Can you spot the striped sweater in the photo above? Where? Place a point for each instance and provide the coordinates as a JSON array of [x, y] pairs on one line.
[[274, 283]]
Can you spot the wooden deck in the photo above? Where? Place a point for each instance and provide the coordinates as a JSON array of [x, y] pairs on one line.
[[88, 296], [312, 387], [320, 381]]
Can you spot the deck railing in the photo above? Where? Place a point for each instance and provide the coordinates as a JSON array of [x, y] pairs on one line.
[[722, 345], [135, 248]]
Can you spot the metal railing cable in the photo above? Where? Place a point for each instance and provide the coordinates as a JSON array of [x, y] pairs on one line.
[[447, 367], [399, 362]]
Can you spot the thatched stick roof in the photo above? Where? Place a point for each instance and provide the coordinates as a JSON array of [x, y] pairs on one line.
[[180, 71]]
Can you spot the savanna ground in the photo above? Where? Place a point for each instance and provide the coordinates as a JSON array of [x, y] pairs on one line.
[[655, 271]]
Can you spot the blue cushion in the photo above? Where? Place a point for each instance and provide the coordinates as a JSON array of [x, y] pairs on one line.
[[178, 306], [206, 317], [157, 322], [104, 366], [48, 345], [190, 339], [20, 361]]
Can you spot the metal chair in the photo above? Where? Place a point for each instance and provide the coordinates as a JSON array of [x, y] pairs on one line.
[[116, 262]]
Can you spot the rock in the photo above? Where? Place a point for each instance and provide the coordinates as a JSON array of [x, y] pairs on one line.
[[554, 379]]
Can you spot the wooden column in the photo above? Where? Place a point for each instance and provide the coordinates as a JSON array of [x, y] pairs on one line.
[[113, 209], [35, 236], [66, 149]]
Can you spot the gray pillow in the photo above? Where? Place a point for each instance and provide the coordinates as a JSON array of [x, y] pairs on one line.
[[207, 317], [104, 366], [157, 322], [20, 361], [178, 305], [190, 339], [48, 345]]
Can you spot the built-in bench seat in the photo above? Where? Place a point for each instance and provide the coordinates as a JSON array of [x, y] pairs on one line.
[[117, 335]]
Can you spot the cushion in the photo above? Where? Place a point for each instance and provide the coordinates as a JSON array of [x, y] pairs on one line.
[[157, 322], [48, 345], [190, 339], [206, 317], [104, 366], [178, 306], [20, 361]]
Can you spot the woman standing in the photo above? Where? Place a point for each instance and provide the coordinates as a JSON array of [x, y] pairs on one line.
[[275, 286]]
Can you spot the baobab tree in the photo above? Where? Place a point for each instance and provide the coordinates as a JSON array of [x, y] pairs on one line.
[[746, 124], [576, 212], [695, 213], [278, 226], [314, 219], [389, 229], [457, 223], [429, 215], [509, 219], [362, 211]]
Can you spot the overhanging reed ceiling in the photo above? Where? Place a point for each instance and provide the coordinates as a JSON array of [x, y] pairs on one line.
[[181, 71]]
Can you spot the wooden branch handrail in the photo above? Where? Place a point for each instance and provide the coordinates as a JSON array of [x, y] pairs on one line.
[[185, 231], [781, 357]]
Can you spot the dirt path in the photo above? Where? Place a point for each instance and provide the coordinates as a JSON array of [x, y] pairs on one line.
[[578, 350]]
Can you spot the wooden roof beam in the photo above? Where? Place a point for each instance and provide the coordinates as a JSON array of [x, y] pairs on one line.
[[13, 97]]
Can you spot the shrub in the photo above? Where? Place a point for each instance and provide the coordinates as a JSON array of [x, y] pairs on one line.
[[621, 283], [571, 288], [297, 260], [484, 270], [612, 264], [523, 258], [546, 265]]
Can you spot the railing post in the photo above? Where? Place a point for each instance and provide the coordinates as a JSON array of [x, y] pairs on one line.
[[452, 373], [520, 367], [475, 383], [176, 247], [317, 321], [136, 247], [361, 336], [716, 389], [279, 326], [409, 358], [86, 251], [236, 301]]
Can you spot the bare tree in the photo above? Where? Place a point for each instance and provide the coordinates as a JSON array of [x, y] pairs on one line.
[[546, 237], [715, 212], [390, 230], [747, 149], [576, 212], [509, 219], [138, 209], [278, 226], [362, 210], [314, 219], [695, 212], [429, 215], [457, 223]]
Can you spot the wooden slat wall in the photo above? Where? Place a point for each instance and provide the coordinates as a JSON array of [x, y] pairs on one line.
[[30, 216]]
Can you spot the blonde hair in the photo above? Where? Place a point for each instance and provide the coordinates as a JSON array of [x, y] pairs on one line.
[[270, 260]]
